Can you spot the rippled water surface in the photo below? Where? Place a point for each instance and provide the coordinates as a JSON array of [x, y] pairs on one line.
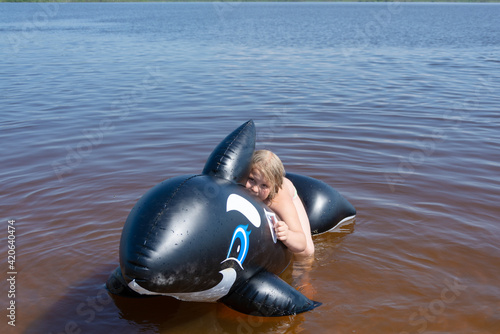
[[395, 105]]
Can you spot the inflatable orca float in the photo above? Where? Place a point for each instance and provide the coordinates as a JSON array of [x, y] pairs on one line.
[[205, 238]]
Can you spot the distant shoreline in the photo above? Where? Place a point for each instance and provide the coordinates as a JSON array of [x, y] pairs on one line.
[[440, 1]]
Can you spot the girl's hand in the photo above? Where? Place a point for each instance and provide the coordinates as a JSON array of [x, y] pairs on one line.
[[281, 229]]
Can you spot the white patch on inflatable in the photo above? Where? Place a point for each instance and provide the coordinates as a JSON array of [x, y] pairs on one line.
[[140, 290], [271, 220], [210, 295], [240, 204], [344, 221]]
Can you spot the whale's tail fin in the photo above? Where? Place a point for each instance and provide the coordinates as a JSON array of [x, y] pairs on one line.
[[325, 206], [231, 158]]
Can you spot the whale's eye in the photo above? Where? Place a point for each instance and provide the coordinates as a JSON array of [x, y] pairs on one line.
[[234, 250], [239, 244]]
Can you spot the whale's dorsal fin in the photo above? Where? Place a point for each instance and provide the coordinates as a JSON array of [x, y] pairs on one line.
[[267, 295], [231, 159]]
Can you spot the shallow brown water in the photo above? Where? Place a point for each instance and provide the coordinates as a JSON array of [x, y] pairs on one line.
[[407, 133]]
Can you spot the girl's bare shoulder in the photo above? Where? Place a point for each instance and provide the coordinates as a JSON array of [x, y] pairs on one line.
[[284, 195], [289, 187]]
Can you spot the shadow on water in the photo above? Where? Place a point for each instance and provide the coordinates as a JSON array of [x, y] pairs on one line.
[[327, 243], [88, 307], [301, 272]]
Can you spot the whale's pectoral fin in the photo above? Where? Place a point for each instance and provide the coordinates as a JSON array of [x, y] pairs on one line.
[[267, 295]]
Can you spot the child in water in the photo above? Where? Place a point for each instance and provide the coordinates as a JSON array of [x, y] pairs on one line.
[[267, 181]]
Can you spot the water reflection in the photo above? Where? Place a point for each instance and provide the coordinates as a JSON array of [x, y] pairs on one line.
[[301, 278], [300, 273]]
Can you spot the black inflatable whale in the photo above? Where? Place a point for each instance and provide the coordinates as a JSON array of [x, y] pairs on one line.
[[205, 238]]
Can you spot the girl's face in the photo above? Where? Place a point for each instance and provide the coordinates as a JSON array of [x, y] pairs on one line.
[[257, 185]]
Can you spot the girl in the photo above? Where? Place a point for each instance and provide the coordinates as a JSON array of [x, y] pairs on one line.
[[267, 181]]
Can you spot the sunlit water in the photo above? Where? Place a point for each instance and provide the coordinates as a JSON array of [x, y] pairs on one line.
[[395, 105]]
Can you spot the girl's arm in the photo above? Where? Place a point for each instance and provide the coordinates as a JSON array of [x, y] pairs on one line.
[[288, 230]]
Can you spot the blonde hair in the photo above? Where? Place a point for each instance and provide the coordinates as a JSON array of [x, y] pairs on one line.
[[271, 168]]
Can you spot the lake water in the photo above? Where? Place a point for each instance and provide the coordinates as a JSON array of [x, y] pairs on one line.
[[396, 105]]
